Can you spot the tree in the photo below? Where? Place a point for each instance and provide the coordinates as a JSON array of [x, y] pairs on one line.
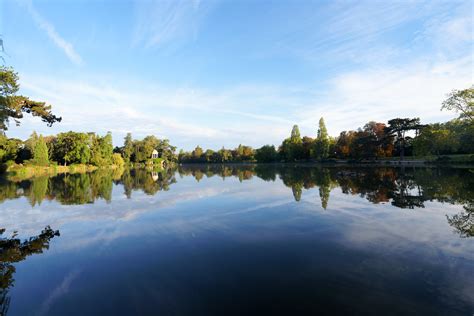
[[150, 143], [464, 221], [101, 149], [41, 156], [292, 148], [321, 149], [266, 153], [344, 144], [14, 250], [30, 144], [224, 154], [9, 148], [142, 149], [117, 160], [398, 127], [166, 151], [72, 147], [435, 139], [128, 148], [209, 155], [13, 106], [461, 101], [295, 137], [308, 147], [371, 141], [197, 152], [247, 153], [243, 153]]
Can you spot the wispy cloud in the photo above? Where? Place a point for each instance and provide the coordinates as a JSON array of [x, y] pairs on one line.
[[256, 112], [382, 93], [53, 35], [61, 290], [190, 116], [159, 22], [187, 116], [365, 31]]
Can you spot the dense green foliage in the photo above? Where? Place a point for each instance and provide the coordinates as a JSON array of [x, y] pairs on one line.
[[140, 151], [71, 148], [198, 155], [40, 154], [453, 137], [266, 153], [400, 138], [322, 142]]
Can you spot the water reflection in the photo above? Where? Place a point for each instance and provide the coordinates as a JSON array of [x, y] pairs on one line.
[[406, 188], [13, 250], [231, 238], [464, 221]]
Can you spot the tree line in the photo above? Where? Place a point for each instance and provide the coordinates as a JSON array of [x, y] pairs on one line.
[[399, 137], [64, 148]]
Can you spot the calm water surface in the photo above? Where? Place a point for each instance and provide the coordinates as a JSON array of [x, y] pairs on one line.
[[213, 240]]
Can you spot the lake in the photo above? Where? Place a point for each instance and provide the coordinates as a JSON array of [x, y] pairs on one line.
[[240, 240]]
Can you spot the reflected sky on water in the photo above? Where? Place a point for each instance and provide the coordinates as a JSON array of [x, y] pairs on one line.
[[245, 240]]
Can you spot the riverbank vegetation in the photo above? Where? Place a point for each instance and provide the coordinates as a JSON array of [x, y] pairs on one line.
[[452, 141], [400, 139], [397, 139]]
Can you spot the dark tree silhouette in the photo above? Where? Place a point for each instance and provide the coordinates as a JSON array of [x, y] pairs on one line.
[[398, 127], [13, 106], [13, 250]]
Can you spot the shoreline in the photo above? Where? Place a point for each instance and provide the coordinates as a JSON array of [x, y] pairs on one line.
[[31, 171], [28, 172]]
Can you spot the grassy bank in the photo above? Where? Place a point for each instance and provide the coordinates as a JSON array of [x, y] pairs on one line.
[[433, 159], [18, 172], [23, 172]]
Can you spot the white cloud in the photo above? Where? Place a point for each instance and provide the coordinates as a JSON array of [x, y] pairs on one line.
[[48, 27], [240, 114], [382, 93], [258, 114], [59, 291], [187, 116]]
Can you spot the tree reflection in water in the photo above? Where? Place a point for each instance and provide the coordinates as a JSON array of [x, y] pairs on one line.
[[406, 188], [464, 221], [13, 250]]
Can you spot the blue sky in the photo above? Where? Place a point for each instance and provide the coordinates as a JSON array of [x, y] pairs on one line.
[[219, 73]]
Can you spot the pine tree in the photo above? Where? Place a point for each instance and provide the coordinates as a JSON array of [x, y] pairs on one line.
[[322, 141], [295, 135], [107, 148], [128, 148], [30, 145], [40, 155]]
